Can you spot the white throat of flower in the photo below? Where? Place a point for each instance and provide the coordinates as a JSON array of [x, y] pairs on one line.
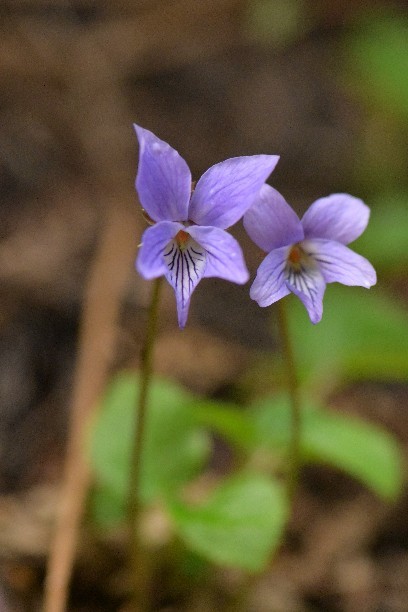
[[185, 260], [302, 271]]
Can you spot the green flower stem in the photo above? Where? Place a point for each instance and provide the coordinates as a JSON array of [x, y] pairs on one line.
[[293, 389], [139, 562]]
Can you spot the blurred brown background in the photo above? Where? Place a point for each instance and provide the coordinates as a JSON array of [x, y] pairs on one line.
[[216, 79]]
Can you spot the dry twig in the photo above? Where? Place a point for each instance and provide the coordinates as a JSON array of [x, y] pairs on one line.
[[107, 278]]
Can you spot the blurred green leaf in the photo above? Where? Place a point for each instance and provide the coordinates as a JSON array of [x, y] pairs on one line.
[[379, 53], [361, 449], [241, 525], [230, 421], [385, 241], [107, 507], [175, 447], [362, 335]]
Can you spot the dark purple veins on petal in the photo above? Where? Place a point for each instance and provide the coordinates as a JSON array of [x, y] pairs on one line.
[[186, 264], [303, 280], [302, 272]]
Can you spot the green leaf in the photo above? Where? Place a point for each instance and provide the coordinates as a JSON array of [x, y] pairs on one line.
[[385, 241], [107, 507], [362, 335], [241, 525], [363, 450], [175, 447], [230, 421], [379, 54]]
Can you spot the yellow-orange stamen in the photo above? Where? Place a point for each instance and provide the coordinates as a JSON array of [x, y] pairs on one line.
[[181, 238], [295, 255]]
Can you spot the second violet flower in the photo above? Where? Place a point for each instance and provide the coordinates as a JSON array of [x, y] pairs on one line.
[[304, 255], [188, 241]]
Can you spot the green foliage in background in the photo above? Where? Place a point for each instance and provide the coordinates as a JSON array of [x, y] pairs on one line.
[[361, 336], [379, 51], [376, 71], [365, 451], [242, 521], [175, 450], [240, 525], [386, 239]]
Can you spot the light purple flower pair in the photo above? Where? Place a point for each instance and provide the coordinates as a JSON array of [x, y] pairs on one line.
[[188, 240]]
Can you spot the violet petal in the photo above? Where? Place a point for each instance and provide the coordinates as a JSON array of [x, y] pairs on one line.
[[150, 261], [185, 267], [340, 264], [270, 222], [269, 285], [224, 255], [163, 179], [309, 286], [339, 217], [226, 191]]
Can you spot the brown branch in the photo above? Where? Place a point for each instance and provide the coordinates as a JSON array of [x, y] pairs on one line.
[[107, 278]]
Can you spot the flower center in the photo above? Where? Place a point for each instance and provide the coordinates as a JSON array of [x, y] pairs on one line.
[[182, 238], [295, 256], [299, 258]]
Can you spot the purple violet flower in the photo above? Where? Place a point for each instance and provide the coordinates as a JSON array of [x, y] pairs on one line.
[[187, 241], [304, 255]]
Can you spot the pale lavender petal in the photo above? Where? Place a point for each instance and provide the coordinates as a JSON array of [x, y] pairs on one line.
[[309, 286], [163, 179], [183, 307], [185, 267], [269, 285], [226, 191], [339, 217], [270, 222], [340, 264], [224, 255], [150, 261]]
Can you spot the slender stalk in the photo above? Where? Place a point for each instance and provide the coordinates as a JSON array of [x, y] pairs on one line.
[[138, 558], [293, 389], [104, 289]]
